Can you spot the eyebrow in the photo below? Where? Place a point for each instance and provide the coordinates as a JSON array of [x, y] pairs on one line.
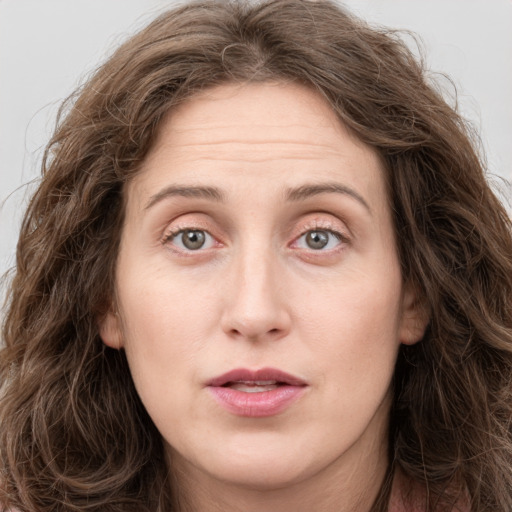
[[309, 190], [292, 194], [200, 192]]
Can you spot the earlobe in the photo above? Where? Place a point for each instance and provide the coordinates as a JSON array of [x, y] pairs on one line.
[[415, 317], [110, 330]]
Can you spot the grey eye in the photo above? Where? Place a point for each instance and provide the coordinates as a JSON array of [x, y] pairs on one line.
[[317, 239], [191, 239], [187, 240]]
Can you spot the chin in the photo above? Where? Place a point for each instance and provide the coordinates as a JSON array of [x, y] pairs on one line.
[[252, 465], [262, 475]]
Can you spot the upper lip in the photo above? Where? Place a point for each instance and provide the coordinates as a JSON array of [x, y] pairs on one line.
[[261, 375]]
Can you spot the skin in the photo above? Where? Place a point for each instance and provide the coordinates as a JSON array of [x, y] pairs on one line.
[[257, 295]]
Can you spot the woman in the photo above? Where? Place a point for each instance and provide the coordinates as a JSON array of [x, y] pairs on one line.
[[262, 271]]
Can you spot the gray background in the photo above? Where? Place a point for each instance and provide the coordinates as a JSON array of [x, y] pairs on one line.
[[48, 46]]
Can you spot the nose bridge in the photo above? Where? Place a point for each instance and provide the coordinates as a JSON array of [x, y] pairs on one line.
[[255, 306], [254, 275]]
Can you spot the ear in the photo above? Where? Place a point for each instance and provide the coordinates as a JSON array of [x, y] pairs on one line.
[[110, 330], [415, 316]]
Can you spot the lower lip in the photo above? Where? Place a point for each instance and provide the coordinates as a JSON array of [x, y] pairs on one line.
[[257, 405]]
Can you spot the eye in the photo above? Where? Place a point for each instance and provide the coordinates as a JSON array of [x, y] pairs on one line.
[[191, 239], [319, 239]]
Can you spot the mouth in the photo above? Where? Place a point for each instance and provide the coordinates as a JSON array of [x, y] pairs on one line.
[[260, 393], [255, 380], [250, 386]]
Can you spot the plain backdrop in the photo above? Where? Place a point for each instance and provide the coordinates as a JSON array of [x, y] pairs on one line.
[[47, 47]]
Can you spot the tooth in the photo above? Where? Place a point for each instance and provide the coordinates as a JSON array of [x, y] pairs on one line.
[[254, 388], [256, 382]]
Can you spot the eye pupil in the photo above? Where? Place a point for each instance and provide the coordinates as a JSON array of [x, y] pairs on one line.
[[193, 239], [317, 239]]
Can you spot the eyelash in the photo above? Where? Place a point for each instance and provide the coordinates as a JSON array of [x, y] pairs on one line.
[[332, 234], [322, 226], [172, 235], [341, 238]]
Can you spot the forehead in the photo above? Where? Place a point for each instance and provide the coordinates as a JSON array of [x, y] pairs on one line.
[[273, 132], [260, 113]]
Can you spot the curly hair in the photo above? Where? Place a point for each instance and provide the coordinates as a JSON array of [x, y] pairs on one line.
[[74, 435]]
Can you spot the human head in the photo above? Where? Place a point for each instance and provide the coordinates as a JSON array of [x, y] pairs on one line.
[[453, 236]]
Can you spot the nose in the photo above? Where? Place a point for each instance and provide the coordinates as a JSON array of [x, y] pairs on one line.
[[256, 307]]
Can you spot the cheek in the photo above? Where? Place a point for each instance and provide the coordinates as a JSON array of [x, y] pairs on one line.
[[160, 305], [351, 303], [164, 326], [351, 328]]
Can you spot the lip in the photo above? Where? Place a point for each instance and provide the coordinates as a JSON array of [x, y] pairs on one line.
[[257, 404]]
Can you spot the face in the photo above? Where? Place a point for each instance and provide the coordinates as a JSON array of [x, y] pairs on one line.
[[259, 296]]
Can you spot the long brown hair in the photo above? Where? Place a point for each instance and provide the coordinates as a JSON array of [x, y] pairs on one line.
[[73, 432]]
